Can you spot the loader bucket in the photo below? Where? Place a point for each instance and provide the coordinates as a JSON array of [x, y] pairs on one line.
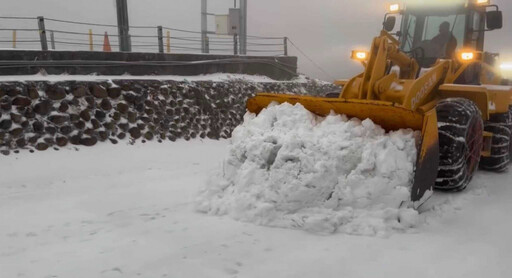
[[385, 114]]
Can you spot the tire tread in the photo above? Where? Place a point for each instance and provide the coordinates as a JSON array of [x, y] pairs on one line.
[[500, 125], [455, 117]]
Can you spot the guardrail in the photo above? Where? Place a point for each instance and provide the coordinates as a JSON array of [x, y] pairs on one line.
[[57, 34]]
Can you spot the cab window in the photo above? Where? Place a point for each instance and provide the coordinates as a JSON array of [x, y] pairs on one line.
[[441, 36], [410, 27]]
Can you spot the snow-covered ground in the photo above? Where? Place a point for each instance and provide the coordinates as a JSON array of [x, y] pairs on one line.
[[127, 211]]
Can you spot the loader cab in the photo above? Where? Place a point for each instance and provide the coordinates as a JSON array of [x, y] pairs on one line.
[[438, 32]]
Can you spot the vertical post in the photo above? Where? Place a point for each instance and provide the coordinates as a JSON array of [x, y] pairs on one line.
[[160, 39], [91, 45], [52, 40], [207, 45], [285, 44], [42, 33], [204, 25], [243, 27], [235, 43], [13, 38], [168, 41], [123, 26]]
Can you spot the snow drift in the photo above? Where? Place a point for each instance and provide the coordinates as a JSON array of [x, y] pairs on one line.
[[289, 168]]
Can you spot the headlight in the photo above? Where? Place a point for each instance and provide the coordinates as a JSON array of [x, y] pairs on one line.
[[483, 2], [467, 56], [360, 55], [506, 66], [394, 8]]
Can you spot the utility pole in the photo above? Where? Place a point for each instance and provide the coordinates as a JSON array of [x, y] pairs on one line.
[[243, 27], [204, 26], [123, 26]]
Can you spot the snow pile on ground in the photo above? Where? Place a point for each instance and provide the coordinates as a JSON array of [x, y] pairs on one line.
[[289, 168]]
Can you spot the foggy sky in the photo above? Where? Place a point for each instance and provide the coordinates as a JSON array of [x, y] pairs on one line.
[[325, 29]]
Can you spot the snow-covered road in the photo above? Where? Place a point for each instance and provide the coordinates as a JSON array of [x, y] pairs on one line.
[[126, 211]]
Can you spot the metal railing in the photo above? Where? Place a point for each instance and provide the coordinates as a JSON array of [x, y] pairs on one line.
[[57, 34]]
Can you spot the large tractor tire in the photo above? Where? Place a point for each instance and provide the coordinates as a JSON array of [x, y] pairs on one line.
[[510, 113], [499, 125], [460, 143]]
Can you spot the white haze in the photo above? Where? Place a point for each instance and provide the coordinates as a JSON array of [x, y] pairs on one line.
[[325, 29]]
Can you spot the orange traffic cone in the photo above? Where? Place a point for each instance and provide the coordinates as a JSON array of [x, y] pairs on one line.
[[106, 44]]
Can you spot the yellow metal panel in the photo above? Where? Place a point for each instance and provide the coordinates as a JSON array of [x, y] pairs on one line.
[[477, 94], [351, 89], [422, 89], [499, 100], [489, 98], [486, 150], [385, 114], [428, 159], [341, 82]]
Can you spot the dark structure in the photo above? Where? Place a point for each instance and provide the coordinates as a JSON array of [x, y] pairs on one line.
[[24, 62]]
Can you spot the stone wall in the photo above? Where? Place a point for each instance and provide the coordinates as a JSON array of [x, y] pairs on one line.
[[42, 115]]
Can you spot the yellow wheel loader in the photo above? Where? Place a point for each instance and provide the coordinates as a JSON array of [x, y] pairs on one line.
[[431, 76]]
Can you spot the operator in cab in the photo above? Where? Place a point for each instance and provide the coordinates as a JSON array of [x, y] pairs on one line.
[[445, 42]]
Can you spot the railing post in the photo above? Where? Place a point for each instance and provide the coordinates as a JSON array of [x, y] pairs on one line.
[[168, 41], [160, 39], [285, 43], [91, 45], [13, 38], [52, 40], [204, 25], [207, 45], [42, 33], [123, 26], [235, 44], [243, 27]]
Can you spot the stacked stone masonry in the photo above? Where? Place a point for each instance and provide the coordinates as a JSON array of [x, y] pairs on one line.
[[42, 115]]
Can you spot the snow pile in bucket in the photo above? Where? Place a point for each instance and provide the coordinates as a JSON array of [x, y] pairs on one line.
[[289, 168]]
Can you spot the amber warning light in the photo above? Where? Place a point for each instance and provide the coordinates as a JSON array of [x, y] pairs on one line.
[[483, 2], [467, 56], [394, 8], [359, 55]]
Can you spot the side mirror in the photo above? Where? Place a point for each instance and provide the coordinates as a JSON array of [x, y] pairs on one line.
[[494, 20], [389, 23]]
